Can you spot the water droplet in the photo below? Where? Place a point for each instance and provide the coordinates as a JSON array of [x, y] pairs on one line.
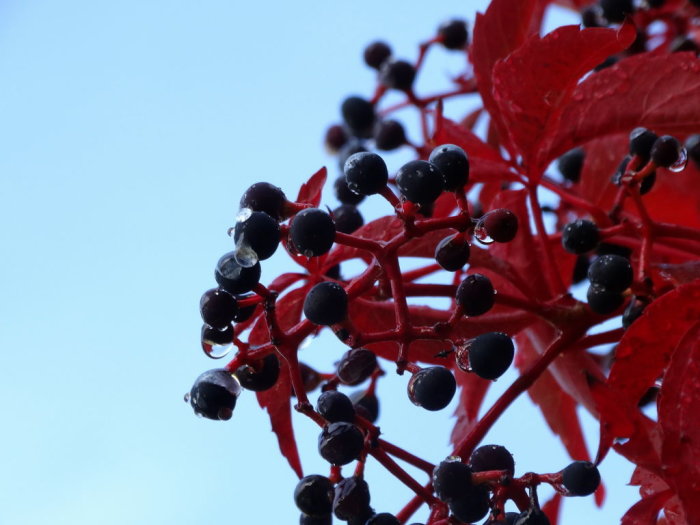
[[658, 383], [244, 254], [187, 397], [244, 215], [462, 356], [681, 163], [216, 351], [481, 235]]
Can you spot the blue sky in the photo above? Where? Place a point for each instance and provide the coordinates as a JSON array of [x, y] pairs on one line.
[[128, 131]]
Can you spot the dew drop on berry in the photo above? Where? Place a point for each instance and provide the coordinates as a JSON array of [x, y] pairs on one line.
[[217, 343], [481, 235], [244, 254], [216, 351], [681, 163]]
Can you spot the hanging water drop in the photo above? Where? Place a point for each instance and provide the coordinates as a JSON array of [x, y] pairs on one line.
[[244, 254], [481, 235], [217, 343], [681, 163]]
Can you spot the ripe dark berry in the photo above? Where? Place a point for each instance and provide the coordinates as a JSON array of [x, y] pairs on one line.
[[420, 181], [641, 142], [453, 34], [581, 478], [508, 519], [265, 197], [366, 405], [533, 516], [312, 520], [614, 272], [340, 443], [603, 301], [347, 218], [258, 232], [335, 406], [326, 303], [366, 173], [383, 518], [313, 495], [356, 365], [432, 388], [397, 74], [492, 457], [491, 354], [214, 394], [589, 17], [692, 146], [389, 135], [475, 294], [501, 225], [351, 498], [451, 478], [347, 151], [615, 11], [471, 506], [359, 116], [608, 248], [345, 194], [580, 236], [376, 54], [666, 151], [261, 375], [233, 277], [633, 311], [244, 312], [212, 336], [312, 232], [336, 138], [218, 308], [570, 164], [453, 163], [452, 253]]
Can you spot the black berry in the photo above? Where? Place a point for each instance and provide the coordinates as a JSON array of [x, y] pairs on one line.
[[359, 116], [453, 163], [347, 218], [452, 253], [453, 34], [475, 294], [666, 151], [312, 232], [345, 194], [570, 164], [366, 404], [451, 478], [470, 506], [244, 312], [580, 269], [581, 478], [340, 443], [692, 146], [420, 181], [351, 498], [492, 457], [366, 173], [347, 151], [603, 301], [641, 142], [376, 54], [213, 336], [491, 354], [265, 197], [397, 74], [326, 303], [233, 277], [383, 518], [336, 138], [260, 375], [313, 520], [313, 495], [356, 366], [214, 394], [335, 406], [614, 272], [501, 225], [508, 519], [580, 236], [218, 308], [589, 17], [389, 135], [608, 248], [432, 388], [615, 11], [258, 232]]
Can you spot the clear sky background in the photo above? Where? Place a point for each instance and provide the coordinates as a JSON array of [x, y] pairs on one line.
[[128, 131]]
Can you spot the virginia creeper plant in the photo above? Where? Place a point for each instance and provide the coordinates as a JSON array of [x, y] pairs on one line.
[[602, 117]]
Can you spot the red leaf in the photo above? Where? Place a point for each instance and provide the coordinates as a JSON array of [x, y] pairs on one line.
[[284, 281], [551, 508], [448, 132], [536, 81], [647, 510], [381, 229], [471, 395], [603, 156], [657, 92], [310, 191]]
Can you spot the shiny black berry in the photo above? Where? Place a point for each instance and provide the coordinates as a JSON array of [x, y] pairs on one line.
[[641, 142], [366, 404], [492, 457], [347, 151], [580, 236], [265, 197], [491, 354], [581, 478], [603, 301], [336, 138], [452, 253], [313, 520], [692, 146], [260, 375], [213, 336], [312, 232], [347, 218], [453, 163], [244, 312], [615, 11], [580, 269], [475, 294], [501, 225], [359, 116], [313, 495], [614, 272], [397, 74], [335, 406], [383, 518], [451, 478], [351, 498], [258, 232], [432, 388], [214, 394], [471, 506], [389, 135], [356, 366], [233, 277], [589, 17], [453, 34], [326, 303], [376, 54], [666, 151], [570, 164], [533, 516], [420, 181], [218, 308], [340, 443], [345, 194], [366, 173]]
